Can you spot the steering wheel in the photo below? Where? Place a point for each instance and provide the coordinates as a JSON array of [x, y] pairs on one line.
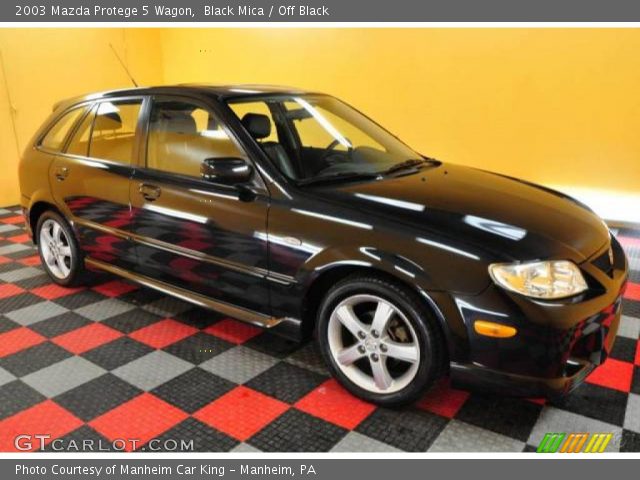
[[328, 151]]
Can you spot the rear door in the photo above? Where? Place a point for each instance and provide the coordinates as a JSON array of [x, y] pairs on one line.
[[205, 237], [91, 179]]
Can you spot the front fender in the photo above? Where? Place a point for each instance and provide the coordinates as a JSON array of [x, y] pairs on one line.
[[404, 270], [393, 264]]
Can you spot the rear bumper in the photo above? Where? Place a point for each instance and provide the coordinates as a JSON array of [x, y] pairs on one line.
[[27, 224]]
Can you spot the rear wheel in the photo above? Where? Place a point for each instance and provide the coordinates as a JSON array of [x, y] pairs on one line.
[[59, 252], [379, 341]]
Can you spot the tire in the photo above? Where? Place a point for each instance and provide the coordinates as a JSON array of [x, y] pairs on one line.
[[60, 255], [409, 347]]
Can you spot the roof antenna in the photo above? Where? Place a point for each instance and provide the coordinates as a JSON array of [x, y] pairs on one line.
[[123, 65]]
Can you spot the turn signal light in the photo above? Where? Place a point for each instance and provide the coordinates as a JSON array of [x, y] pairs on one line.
[[491, 329]]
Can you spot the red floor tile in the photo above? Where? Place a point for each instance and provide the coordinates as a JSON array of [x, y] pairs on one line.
[[19, 238], [13, 220], [9, 290], [613, 374], [53, 291], [30, 261], [241, 413], [18, 339], [637, 360], [4, 260], [163, 333], [334, 404], [47, 418], [629, 242], [142, 418], [233, 331], [443, 400], [115, 288], [86, 338], [633, 291]]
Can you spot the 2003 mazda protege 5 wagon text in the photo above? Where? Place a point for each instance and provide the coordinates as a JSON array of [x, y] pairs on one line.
[[293, 211]]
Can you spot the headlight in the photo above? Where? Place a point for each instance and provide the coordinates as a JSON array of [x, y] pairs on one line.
[[554, 279]]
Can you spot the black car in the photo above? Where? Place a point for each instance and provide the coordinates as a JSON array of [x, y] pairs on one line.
[[293, 211]]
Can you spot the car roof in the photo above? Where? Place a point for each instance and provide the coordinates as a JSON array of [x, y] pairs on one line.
[[220, 91]]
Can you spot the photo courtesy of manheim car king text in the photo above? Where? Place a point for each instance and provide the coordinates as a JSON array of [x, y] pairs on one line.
[[317, 240]]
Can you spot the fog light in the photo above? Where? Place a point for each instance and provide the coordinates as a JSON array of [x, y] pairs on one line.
[[491, 329]]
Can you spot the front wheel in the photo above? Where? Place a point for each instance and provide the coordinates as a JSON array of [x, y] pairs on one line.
[[379, 341]]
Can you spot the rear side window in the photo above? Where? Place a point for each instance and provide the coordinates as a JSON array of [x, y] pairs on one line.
[[79, 144], [113, 132], [54, 139]]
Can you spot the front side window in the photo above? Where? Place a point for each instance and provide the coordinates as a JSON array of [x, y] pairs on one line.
[[54, 139], [113, 132], [183, 135], [318, 126], [326, 139]]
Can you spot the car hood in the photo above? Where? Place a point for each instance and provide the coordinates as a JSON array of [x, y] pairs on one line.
[[510, 218]]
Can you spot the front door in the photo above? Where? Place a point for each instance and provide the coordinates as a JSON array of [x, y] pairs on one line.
[[201, 236]]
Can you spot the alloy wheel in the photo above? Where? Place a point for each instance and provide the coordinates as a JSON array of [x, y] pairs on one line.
[[56, 249], [373, 343]]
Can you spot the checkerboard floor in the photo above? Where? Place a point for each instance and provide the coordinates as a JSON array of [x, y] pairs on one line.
[[114, 360]]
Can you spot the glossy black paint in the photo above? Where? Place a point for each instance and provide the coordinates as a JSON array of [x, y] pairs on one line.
[[273, 247]]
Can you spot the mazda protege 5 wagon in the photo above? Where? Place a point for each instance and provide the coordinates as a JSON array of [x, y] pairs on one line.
[[293, 211]]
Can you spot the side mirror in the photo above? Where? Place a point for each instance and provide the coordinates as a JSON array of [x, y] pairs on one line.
[[229, 171]]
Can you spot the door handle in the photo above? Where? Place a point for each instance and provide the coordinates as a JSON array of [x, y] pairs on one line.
[[149, 192], [61, 173]]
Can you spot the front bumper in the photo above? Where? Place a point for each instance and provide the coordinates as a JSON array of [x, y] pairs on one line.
[[558, 343], [585, 352]]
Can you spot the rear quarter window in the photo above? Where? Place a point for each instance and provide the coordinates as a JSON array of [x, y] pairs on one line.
[[55, 137]]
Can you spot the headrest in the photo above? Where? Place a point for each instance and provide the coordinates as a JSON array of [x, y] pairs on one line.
[[107, 121], [181, 122], [257, 124]]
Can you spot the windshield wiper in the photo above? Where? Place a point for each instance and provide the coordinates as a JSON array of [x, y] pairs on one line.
[[339, 177], [410, 164]]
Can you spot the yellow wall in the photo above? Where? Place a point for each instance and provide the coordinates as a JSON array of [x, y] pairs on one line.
[[555, 106], [43, 66]]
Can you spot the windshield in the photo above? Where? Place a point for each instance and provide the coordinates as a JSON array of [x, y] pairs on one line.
[[312, 137]]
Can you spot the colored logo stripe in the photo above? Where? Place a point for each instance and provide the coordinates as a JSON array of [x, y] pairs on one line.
[[598, 443], [574, 442], [550, 442]]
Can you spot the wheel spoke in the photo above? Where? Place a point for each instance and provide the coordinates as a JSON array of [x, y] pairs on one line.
[[350, 355], [381, 375], [407, 352], [62, 265], [65, 251], [381, 318], [46, 236], [57, 232], [348, 318]]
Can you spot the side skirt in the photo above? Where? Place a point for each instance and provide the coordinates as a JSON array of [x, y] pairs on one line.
[[249, 316]]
